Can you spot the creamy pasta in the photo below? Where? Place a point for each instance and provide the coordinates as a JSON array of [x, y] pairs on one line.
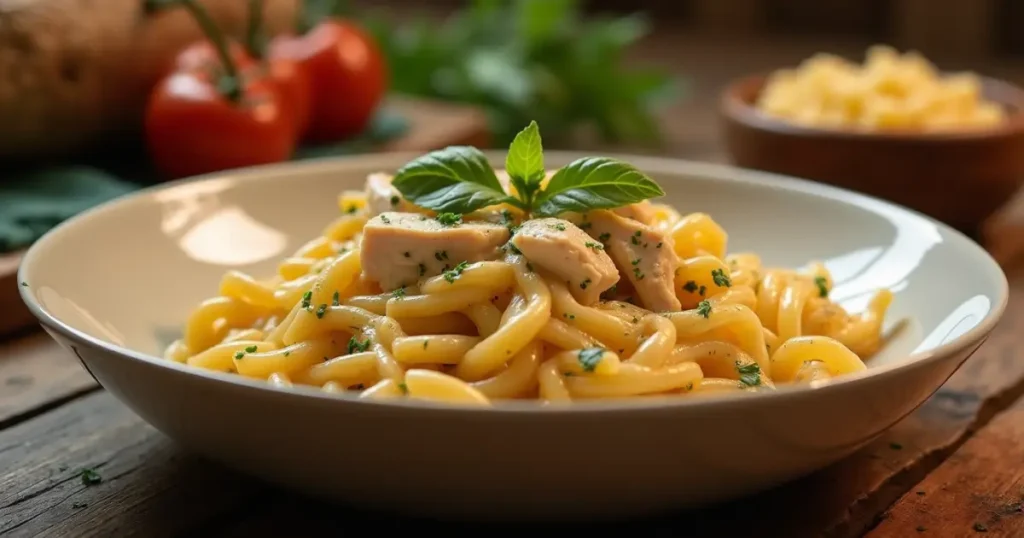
[[681, 319]]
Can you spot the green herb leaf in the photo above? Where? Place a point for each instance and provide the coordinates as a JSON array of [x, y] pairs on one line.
[[525, 162], [357, 346], [449, 219], [822, 286], [750, 374], [594, 183], [704, 308], [457, 179], [91, 477], [590, 357], [721, 279]]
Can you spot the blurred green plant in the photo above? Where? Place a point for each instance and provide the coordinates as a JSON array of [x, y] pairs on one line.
[[526, 60]]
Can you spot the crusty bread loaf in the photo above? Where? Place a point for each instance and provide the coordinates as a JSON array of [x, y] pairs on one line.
[[74, 71]]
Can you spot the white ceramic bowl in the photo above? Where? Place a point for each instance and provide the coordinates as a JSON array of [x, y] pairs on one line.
[[114, 285]]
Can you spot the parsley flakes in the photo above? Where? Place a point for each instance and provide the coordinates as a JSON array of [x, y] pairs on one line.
[[721, 279], [336, 299], [690, 286], [398, 293], [320, 311], [306, 298], [394, 200], [590, 357], [355, 345], [90, 477], [704, 309], [750, 374], [449, 219], [455, 272], [822, 284], [593, 245]]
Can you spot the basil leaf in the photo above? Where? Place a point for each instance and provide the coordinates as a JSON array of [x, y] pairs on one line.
[[594, 183], [525, 159], [457, 179]]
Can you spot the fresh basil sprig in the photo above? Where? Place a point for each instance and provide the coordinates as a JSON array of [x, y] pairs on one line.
[[459, 179]]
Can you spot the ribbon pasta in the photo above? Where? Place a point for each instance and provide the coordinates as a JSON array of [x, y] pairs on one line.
[[501, 330]]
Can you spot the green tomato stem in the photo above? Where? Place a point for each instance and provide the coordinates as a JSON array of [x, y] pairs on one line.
[[229, 84], [255, 43]]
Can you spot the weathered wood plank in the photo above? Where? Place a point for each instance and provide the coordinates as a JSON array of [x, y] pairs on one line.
[[35, 373], [149, 489], [979, 489]]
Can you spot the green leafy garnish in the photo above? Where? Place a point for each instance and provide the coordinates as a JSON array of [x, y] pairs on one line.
[[593, 245], [594, 183], [822, 284], [398, 293], [721, 279], [704, 308], [320, 311], [750, 374], [90, 477], [306, 298], [690, 286], [525, 163], [459, 179], [590, 357], [336, 299], [451, 274], [355, 345], [449, 219]]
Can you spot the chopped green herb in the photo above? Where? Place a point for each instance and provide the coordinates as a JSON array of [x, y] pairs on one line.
[[689, 386], [306, 298], [351, 209], [454, 273], [584, 284], [320, 311], [567, 315], [404, 388], [702, 290], [437, 256], [690, 286], [637, 274], [590, 357], [980, 527], [822, 284], [449, 219], [750, 374], [336, 299], [721, 279], [398, 293], [287, 353], [342, 250], [239, 355], [604, 237], [355, 345], [704, 309], [24, 284], [895, 446], [385, 219], [558, 226], [423, 269], [425, 343], [593, 245], [251, 349], [406, 254], [635, 262], [90, 477], [395, 199]]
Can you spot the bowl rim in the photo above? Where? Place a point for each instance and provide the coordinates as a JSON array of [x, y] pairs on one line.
[[734, 107], [717, 172]]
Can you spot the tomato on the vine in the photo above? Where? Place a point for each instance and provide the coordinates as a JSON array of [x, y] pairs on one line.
[[216, 117], [347, 76]]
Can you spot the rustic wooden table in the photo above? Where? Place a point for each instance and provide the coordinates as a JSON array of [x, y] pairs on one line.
[[953, 468]]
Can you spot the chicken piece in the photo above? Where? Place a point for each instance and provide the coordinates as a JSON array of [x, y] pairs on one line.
[[398, 249], [568, 252], [644, 255], [642, 212], [382, 196]]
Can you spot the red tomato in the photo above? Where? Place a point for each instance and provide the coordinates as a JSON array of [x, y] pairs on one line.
[[347, 77], [202, 56], [191, 128], [294, 87]]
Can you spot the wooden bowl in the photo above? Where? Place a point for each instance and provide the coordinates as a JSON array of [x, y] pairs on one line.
[[956, 177]]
